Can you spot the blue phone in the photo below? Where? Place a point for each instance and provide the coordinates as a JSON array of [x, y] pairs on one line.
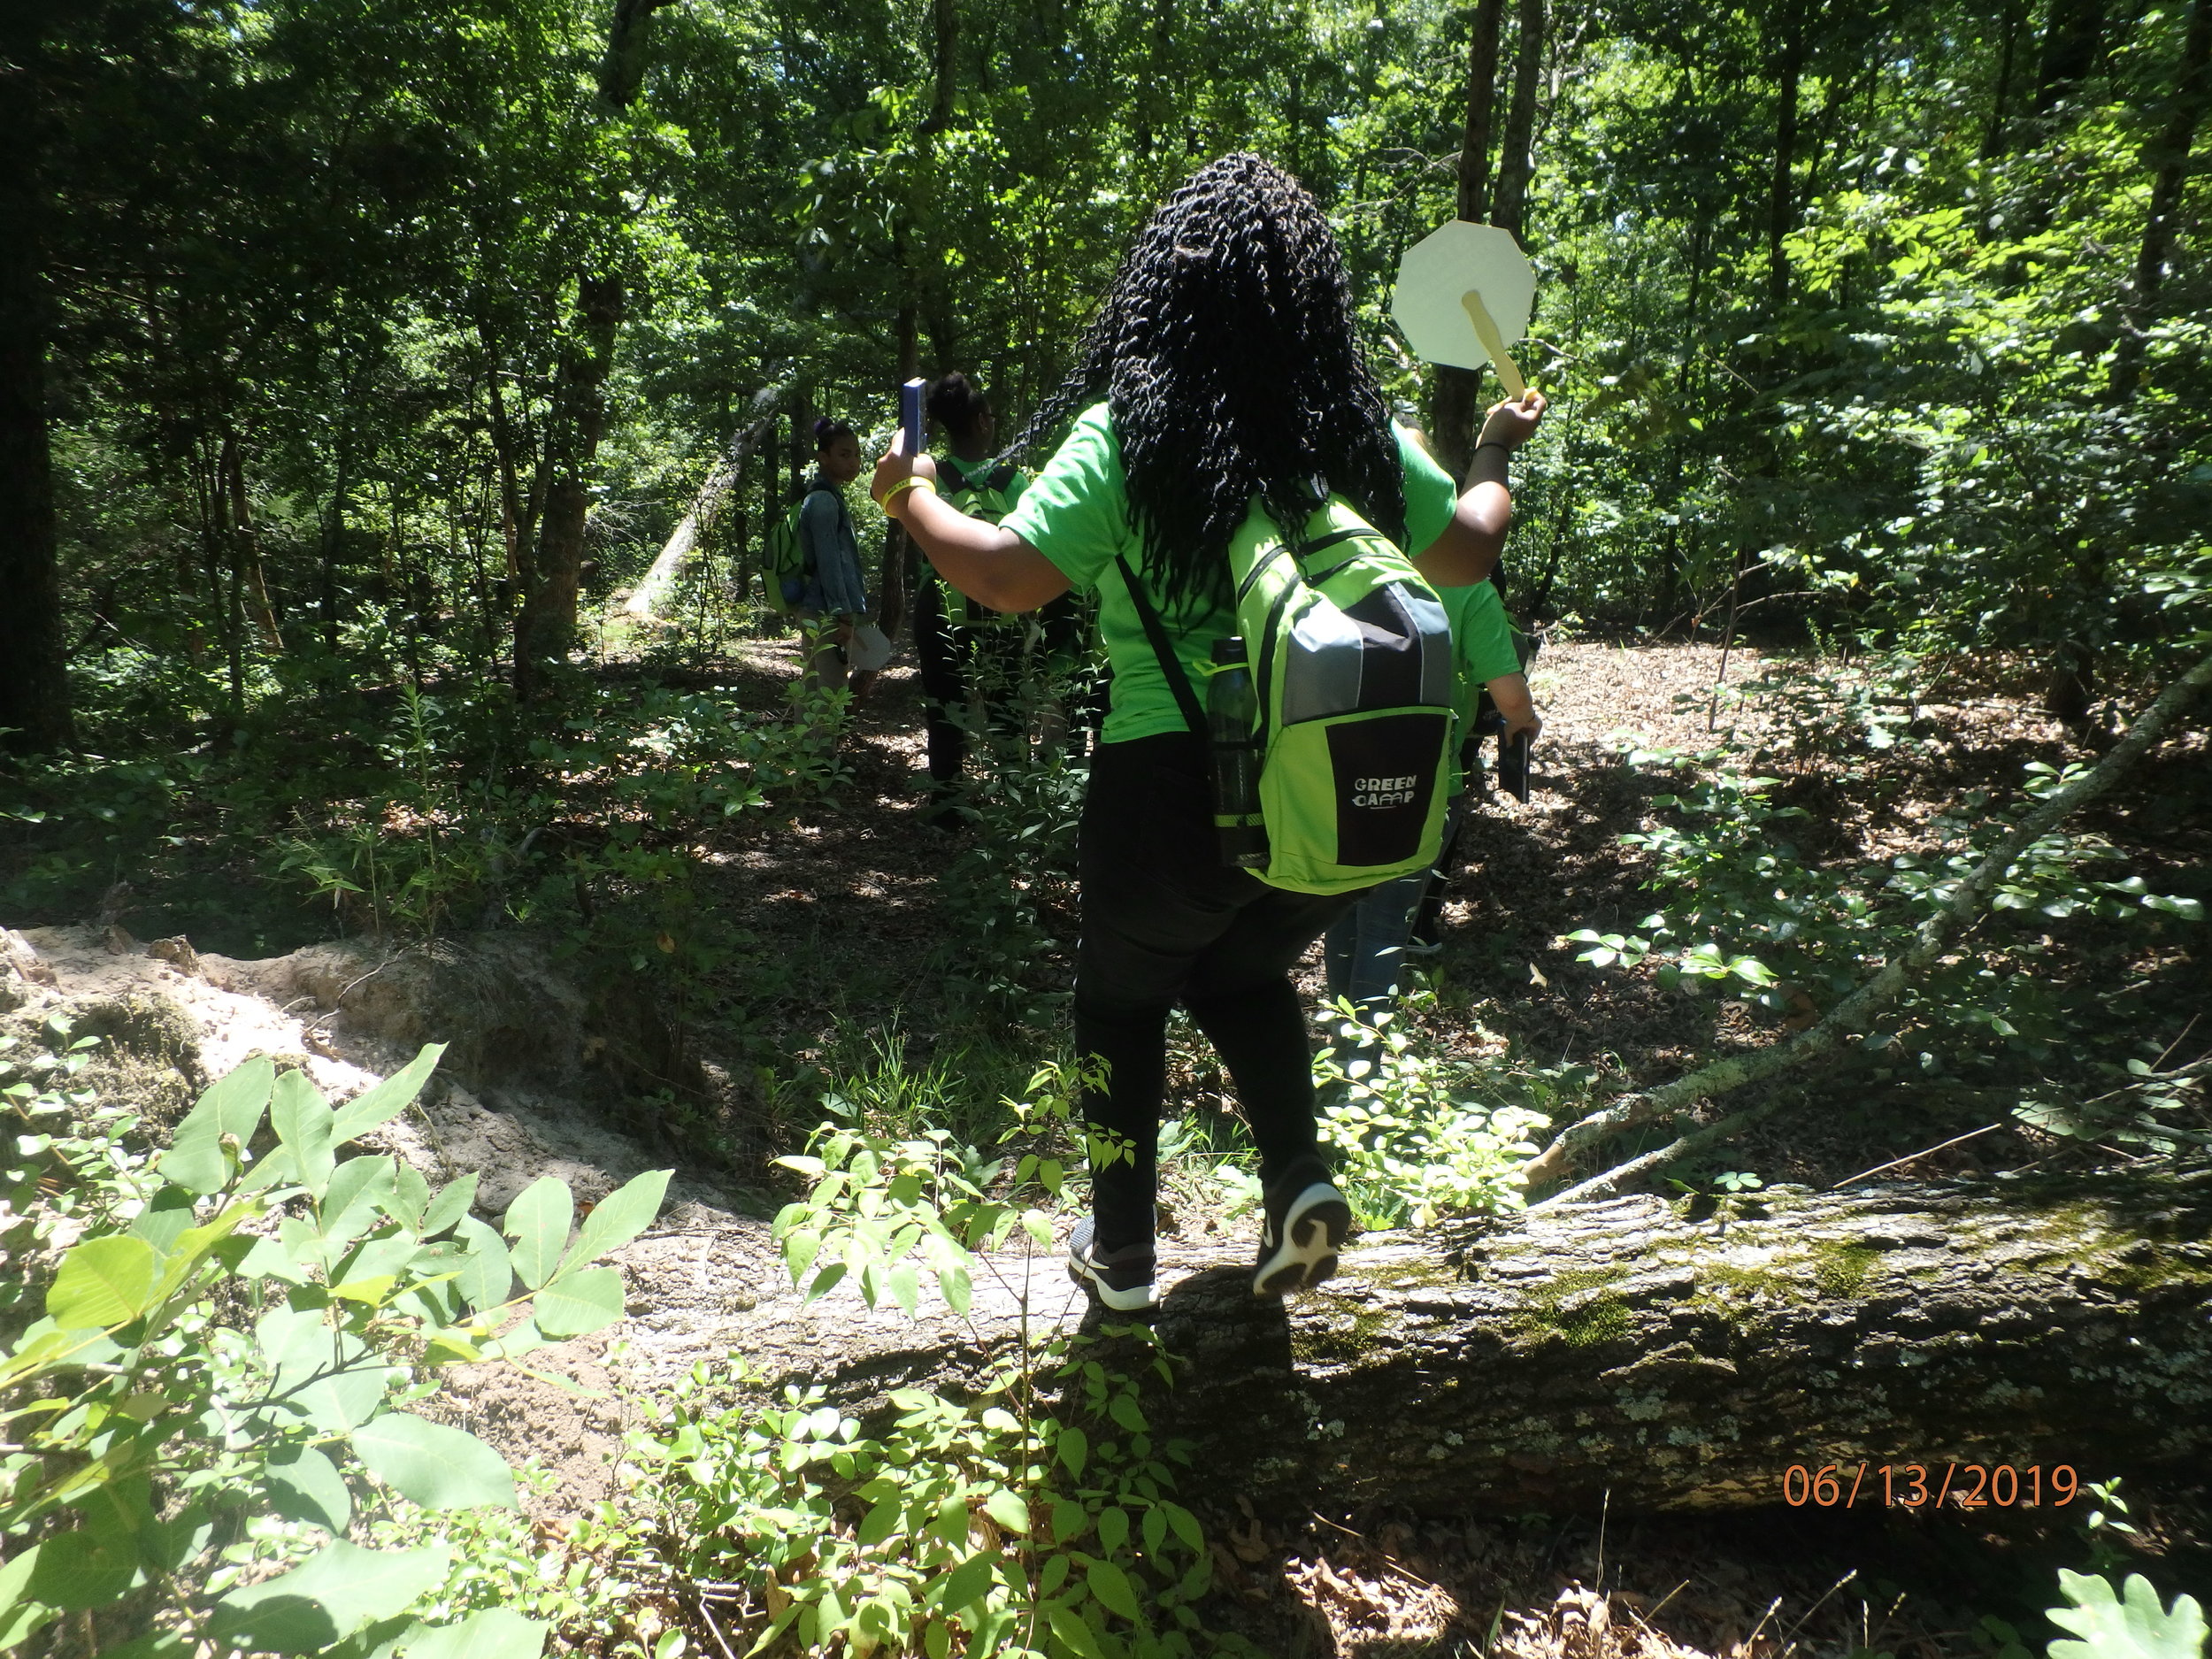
[[910, 413]]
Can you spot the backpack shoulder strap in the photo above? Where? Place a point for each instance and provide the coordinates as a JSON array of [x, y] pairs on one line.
[[1171, 665]]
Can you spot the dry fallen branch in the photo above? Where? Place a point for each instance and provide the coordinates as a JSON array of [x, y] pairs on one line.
[[646, 598], [1856, 1013]]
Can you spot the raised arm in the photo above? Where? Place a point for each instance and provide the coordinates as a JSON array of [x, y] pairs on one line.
[[1468, 548], [991, 566]]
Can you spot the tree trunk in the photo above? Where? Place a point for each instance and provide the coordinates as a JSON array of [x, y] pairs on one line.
[[1994, 142], [1516, 162], [546, 625], [246, 544], [35, 713], [1781, 198], [2073, 37], [1458, 396], [1625, 1348], [2167, 158], [727, 475]]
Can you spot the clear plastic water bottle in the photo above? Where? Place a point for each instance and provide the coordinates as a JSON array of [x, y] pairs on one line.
[[1231, 712]]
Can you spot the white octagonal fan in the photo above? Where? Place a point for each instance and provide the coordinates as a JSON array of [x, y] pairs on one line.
[[1463, 295]]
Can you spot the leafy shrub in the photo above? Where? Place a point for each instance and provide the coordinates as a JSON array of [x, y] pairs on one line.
[[987, 1524], [1745, 914], [1414, 1141], [209, 1392]]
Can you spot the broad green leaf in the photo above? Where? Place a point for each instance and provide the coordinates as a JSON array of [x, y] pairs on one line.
[[302, 1119], [1113, 1529], [1008, 1509], [576, 1303], [952, 1284], [904, 1282], [451, 1203], [1185, 1525], [190, 1247], [328, 1598], [2136, 1627], [304, 1485], [619, 1216], [103, 1282], [438, 1467], [357, 1191], [1069, 1518], [1072, 1631], [162, 1644], [79, 1570], [385, 1101], [966, 1582], [231, 1106], [1073, 1447], [1125, 1410], [497, 1632], [165, 1219], [880, 1522], [1111, 1584], [537, 1221], [411, 1196], [15, 1574], [45, 1347], [487, 1273]]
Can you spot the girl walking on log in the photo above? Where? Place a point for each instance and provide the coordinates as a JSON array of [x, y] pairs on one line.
[[1221, 378]]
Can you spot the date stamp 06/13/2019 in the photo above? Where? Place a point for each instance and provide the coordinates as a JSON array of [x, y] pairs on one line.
[[1931, 1486]]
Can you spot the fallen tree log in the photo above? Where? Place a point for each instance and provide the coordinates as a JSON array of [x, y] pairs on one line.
[[1628, 1348], [660, 579]]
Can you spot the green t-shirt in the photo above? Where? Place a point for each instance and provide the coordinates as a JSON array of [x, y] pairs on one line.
[[1482, 643], [1076, 513]]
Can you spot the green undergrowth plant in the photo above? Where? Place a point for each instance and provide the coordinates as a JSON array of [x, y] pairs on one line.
[[1419, 1137], [1034, 1518], [1013, 879], [236, 1368], [1744, 913]]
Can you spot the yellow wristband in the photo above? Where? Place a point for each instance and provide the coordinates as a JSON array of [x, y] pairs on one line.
[[912, 481]]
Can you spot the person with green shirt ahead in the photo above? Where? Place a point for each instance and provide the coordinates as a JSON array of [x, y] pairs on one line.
[[1221, 378], [1364, 954]]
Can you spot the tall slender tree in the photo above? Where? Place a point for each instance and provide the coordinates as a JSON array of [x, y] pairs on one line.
[[1458, 394], [34, 714]]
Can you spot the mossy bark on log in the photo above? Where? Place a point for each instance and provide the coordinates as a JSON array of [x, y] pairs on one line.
[[1630, 1349]]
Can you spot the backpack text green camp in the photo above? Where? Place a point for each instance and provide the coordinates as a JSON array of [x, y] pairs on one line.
[[1351, 664]]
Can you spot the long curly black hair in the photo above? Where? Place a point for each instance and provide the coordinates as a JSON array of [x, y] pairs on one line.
[[1225, 351]]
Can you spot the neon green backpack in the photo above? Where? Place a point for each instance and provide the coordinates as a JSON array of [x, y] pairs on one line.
[[978, 494], [783, 555], [1349, 709]]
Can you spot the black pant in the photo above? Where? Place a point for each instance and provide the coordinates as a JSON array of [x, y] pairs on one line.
[[1163, 922]]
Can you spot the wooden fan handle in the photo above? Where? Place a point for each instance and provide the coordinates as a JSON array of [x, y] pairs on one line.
[[1487, 331]]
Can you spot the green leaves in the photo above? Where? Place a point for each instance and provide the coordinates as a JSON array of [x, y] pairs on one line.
[[497, 1632], [438, 1467], [229, 1110], [103, 1282], [387, 1100], [336, 1592], [2136, 1627], [619, 1216], [305, 1485], [537, 1222], [579, 1302], [302, 1119]]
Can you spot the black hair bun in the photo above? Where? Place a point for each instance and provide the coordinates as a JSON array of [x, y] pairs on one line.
[[955, 403]]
